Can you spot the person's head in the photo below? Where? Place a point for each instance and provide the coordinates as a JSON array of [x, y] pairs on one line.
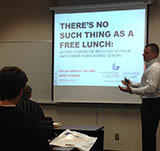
[[12, 82], [151, 52], [27, 92]]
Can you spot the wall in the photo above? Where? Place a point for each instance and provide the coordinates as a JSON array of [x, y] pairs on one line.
[[25, 40]]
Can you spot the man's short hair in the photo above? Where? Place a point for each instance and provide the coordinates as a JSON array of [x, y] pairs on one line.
[[27, 92], [12, 80], [154, 47]]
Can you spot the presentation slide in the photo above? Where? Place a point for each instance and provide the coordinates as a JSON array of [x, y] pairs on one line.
[[98, 49]]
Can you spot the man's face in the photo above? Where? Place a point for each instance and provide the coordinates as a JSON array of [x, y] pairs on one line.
[[148, 54]]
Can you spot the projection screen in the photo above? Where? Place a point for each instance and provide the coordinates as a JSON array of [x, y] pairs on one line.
[[94, 48]]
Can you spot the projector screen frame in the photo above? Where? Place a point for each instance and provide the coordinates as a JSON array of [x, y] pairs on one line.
[[88, 8]]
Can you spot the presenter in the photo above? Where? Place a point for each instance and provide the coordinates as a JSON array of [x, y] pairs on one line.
[[149, 90]]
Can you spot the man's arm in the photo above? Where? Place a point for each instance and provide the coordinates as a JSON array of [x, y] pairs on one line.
[[150, 84]]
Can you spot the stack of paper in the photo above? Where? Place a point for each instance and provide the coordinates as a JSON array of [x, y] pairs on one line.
[[74, 139]]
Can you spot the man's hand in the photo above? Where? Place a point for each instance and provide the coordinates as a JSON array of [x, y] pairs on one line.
[[126, 81], [126, 89]]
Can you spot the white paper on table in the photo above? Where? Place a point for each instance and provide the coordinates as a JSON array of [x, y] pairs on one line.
[[75, 139]]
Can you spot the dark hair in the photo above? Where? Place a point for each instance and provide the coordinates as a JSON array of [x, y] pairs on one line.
[[12, 80], [154, 47], [27, 92]]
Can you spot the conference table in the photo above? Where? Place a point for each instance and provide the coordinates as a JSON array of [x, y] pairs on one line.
[[90, 130]]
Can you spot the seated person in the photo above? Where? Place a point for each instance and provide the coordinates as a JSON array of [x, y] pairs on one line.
[[27, 105], [19, 130]]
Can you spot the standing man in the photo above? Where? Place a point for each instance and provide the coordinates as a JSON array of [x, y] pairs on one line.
[[19, 130], [149, 90]]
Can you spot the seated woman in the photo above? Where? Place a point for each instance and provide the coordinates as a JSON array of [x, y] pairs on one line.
[[27, 105]]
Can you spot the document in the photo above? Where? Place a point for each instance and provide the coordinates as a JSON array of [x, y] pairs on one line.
[[75, 139]]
